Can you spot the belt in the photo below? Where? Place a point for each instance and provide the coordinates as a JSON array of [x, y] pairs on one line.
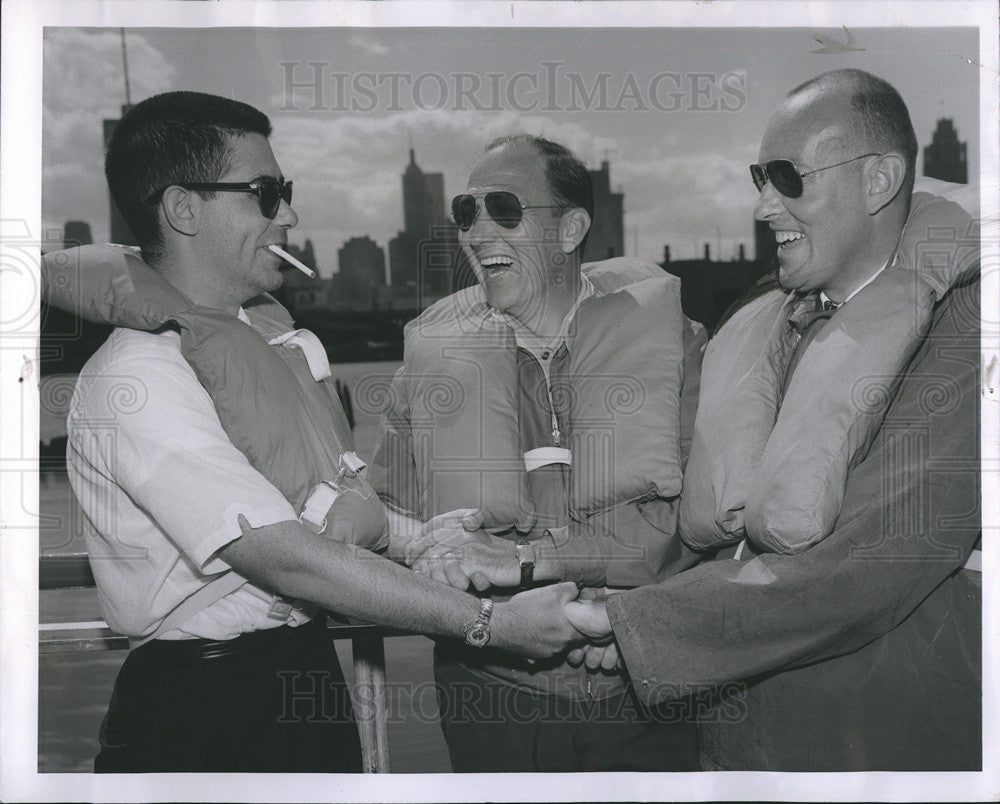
[[253, 643]]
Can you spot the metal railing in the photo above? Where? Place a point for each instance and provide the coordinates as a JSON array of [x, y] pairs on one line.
[[368, 650]]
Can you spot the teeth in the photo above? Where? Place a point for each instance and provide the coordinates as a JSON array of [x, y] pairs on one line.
[[489, 261], [787, 237]]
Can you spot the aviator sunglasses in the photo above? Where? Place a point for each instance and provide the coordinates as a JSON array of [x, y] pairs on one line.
[[503, 207], [785, 178], [270, 192]]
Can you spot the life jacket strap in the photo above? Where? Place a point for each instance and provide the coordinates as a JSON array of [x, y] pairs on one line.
[[325, 493], [319, 363], [543, 456]]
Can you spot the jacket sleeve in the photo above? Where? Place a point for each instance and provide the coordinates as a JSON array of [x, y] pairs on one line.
[[636, 543], [629, 545], [910, 519]]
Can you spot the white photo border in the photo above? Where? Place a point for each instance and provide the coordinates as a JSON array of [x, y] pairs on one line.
[[20, 204]]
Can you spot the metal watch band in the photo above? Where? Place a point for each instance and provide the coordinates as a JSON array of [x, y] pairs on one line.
[[477, 631]]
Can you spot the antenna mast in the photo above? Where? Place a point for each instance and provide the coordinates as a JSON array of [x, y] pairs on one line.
[[128, 90]]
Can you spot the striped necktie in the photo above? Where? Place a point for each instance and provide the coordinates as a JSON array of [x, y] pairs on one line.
[[805, 323]]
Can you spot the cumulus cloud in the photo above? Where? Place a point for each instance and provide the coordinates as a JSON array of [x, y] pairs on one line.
[[83, 84], [684, 198], [348, 168]]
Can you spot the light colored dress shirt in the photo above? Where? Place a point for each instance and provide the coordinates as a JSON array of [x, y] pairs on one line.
[[161, 488]]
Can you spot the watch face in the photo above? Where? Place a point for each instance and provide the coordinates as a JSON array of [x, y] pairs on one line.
[[478, 635]]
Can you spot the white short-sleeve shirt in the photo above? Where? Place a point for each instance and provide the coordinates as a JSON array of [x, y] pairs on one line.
[[161, 488]]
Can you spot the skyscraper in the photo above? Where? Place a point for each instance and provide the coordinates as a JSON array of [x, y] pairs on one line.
[[423, 199], [765, 243], [362, 260], [946, 158], [76, 233], [305, 253], [607, 233], [421, 256]]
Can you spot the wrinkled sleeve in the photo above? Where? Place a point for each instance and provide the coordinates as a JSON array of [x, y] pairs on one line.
[[910, 519], [153, 431], [629, 545]]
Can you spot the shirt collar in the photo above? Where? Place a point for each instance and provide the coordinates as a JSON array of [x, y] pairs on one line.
[[824, 298], [535, 344]]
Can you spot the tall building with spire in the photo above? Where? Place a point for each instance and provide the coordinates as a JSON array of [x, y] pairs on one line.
[[423, 199], [422, 255], [946, 158]]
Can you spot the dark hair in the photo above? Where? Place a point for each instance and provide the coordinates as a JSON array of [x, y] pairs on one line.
[[169, 139], [568, 178], [880, 117]]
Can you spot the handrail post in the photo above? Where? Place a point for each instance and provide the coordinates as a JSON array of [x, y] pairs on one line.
[[371, 708]]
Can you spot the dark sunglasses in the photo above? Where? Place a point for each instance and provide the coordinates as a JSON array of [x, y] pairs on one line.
[[785, 178], [270, 192], [503, 207]]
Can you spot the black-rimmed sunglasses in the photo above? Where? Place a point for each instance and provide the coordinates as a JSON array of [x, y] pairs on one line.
[[503, 207], [785, 178], [270, 192]]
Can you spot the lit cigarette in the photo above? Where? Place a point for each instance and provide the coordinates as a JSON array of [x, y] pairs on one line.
[[292, 261]]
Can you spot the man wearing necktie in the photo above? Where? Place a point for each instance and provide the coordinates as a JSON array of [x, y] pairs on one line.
[[834, 467]]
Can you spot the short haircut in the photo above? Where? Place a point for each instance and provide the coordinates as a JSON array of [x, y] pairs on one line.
[[568, 178], [880, 117], [172, 138]]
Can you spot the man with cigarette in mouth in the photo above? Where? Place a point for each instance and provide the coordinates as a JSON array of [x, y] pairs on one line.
[[836, 442], [223, 504], [539, 424]]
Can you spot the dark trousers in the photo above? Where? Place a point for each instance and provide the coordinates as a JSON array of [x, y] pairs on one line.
[[492, 727], [267, 701]]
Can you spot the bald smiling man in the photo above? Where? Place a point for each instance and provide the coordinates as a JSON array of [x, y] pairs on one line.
[[834, 466]]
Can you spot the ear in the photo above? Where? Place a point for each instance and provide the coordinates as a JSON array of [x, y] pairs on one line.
[[182, 209], [573, 228], [884, 179]]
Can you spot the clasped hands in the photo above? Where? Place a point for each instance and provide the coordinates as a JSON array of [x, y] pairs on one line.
[[453, 548]]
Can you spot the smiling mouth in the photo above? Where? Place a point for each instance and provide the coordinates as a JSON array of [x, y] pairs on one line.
[[787, 238], [495, 264]]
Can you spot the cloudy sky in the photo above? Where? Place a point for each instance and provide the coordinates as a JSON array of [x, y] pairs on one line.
[[677, 112]]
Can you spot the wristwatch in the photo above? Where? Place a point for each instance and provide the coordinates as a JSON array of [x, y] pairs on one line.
[[526, 560], [477, 631]]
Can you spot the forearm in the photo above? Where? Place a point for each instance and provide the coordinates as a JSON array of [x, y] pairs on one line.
[[287, 558], [344, 578]]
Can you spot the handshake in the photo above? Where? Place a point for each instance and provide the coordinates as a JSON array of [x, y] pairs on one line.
[[559, 618]]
